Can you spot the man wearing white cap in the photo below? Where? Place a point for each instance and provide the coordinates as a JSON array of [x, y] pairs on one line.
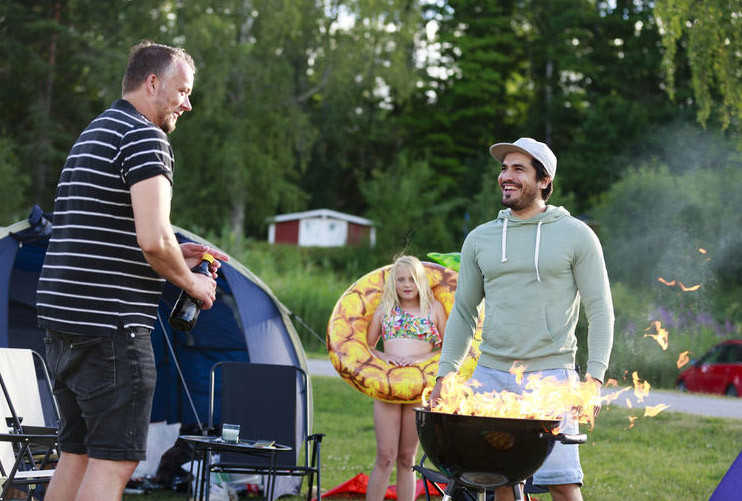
[[531, 265]]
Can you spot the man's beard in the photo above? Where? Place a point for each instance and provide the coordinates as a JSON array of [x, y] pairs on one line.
[[167, 124], [526, 199], [166, 120]]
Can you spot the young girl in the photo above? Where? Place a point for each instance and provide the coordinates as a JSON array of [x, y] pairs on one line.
[[411, 323]]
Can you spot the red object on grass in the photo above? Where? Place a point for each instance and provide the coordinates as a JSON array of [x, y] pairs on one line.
[[357, 485]]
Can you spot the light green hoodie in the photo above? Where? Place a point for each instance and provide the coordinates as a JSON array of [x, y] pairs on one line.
[[531, 274]]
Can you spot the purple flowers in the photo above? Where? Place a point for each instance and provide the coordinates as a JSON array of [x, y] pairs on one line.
[[691, 321]]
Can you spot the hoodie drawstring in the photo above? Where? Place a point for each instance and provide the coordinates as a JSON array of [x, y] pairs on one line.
[[538, 246], [503, 252]]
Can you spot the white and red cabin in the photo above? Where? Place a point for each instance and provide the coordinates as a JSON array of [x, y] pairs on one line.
[[321, 228]]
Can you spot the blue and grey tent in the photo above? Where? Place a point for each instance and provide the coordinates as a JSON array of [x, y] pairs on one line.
[[247, 324]]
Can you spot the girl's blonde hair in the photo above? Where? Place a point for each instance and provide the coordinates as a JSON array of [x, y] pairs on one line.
[[390, 299]]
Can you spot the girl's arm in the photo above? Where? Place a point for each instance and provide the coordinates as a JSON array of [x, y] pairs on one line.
[[439, 318], [373, 334]]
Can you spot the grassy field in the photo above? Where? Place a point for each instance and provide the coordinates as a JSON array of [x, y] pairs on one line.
[[668, 457]]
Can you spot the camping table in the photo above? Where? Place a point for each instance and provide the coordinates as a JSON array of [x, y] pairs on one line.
[[202, 448]]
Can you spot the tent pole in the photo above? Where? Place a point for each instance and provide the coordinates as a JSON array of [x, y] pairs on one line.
[[304, 324], [180, 374]]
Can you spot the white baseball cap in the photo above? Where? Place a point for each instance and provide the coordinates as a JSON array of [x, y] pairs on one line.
[[531, 147]]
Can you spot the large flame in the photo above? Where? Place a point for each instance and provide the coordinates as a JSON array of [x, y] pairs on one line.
[[543, 398]]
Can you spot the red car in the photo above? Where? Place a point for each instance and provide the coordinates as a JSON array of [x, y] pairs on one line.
[[718, 371]]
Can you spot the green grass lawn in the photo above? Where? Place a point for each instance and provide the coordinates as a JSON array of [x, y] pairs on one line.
[[668, 457]]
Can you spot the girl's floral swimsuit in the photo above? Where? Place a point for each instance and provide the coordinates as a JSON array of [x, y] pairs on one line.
[[400, 324]]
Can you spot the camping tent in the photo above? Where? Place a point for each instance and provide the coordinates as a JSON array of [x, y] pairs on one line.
[[247, 323]]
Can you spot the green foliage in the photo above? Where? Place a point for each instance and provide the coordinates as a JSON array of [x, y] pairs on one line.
[[597, 158], [634, 350], [14, 184], [653, 224], [658, 224], [308, 280], [710, 30], [247, 166], [362, 73], [409, 208], [472, 92]]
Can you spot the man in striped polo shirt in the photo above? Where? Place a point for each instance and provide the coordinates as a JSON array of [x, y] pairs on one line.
[[112, 248]]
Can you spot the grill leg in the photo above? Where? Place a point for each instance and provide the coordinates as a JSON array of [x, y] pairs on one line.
[[452, 491], [518, 492]]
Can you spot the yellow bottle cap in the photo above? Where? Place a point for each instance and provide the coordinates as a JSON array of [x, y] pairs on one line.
[[207, 257]]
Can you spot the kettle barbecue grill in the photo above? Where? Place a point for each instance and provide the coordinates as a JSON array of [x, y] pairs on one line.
[[487, 452]]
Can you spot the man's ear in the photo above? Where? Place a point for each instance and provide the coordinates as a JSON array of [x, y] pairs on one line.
[[151, 83], [543, 183]]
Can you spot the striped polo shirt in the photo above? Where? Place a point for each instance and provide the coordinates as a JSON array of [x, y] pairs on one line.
[[95, 278]]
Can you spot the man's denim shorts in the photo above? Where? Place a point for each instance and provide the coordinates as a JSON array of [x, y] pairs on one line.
[[104, 386], [562, 466]]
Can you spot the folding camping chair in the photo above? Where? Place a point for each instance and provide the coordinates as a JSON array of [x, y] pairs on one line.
[[28, 439], [262, 399]]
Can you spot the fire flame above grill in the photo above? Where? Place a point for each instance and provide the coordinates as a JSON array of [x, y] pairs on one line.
[[544, 398]]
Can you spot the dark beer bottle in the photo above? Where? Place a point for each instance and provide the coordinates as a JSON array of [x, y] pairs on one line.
[[186, 310]]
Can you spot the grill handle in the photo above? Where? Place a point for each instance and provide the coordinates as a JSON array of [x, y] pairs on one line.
[[565, 439]]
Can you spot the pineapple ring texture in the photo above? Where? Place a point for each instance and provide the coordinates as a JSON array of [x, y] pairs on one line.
[[349, 351]]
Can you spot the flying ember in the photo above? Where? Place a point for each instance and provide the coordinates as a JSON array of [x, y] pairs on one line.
[[651, 411], [660, 335], [683, 359], [686, 288], [683, 287], [641, 388]]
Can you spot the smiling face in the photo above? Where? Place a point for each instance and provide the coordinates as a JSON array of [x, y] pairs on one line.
[[521, 190], [405, 285], [172, 95]]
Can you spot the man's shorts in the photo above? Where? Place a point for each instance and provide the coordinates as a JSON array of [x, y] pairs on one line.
[[562, 466], [104, 387]]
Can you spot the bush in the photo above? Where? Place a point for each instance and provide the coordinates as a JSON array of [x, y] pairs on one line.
[[656, 224], [633, 349], [16, 182], [664, 231], [407, 203]]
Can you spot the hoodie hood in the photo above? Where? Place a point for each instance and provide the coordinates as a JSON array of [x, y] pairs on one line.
[[506, 217]]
